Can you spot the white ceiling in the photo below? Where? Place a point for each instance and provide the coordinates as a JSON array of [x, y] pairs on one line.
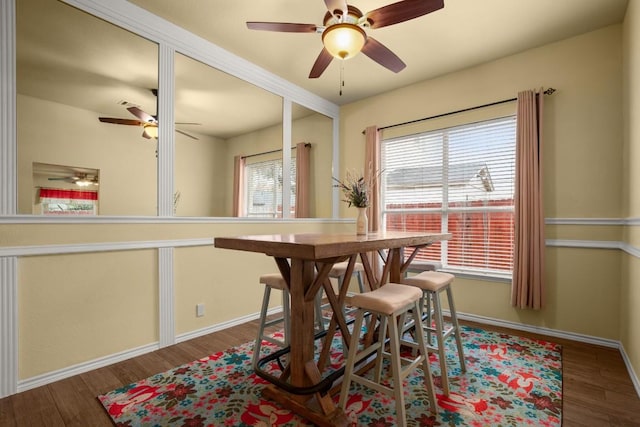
[[463, 34], [64, 55]]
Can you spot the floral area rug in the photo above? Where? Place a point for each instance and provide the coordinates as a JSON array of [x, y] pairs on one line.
[[510, 381]]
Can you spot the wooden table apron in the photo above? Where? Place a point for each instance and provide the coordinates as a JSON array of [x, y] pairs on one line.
[[309, 253]]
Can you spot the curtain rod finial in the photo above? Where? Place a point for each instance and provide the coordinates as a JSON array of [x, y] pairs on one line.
[[549, 91]]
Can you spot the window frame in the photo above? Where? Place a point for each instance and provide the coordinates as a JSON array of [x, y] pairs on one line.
[[444, 209]]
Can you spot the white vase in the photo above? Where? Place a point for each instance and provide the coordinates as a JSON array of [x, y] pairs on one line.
[[362, 222]]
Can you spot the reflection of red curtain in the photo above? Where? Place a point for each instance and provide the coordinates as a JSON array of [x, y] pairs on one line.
[[55, 193]]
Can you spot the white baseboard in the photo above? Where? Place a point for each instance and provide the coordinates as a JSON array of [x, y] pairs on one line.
[[558, 334], [80, 368], [632, 372], [60, 374]]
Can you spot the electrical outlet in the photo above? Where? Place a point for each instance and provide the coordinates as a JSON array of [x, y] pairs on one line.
[[199, 310]]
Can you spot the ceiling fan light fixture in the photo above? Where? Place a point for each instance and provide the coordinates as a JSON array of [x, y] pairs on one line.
[[151, 131], [344, 40]]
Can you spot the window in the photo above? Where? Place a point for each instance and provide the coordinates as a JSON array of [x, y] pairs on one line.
[[264, 188], [458, 180], [68, 202]]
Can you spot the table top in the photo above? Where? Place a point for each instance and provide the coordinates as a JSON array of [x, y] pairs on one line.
[[317, 246]]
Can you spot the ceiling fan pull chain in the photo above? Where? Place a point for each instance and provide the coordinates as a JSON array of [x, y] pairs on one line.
[[341, 76]]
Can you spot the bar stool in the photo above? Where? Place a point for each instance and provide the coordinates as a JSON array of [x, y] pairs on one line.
[[391, 302], [432, 283], [338, 272], [340, 269], [276, 281]]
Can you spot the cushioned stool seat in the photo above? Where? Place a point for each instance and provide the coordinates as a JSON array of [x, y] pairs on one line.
[[391, 302], [432, 283]]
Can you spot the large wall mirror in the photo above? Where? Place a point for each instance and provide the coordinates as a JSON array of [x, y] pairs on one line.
[[218, 117], [72, 69], [87, 105]]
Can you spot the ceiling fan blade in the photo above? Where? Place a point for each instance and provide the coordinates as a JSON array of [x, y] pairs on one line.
[[336, 5], [402, 11], [65, 178], [321, 64], [285, 27], [186, 134], [382, 55], [120, 121], [147, 118]]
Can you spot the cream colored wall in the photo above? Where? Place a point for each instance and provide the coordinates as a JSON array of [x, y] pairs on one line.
[[66, 135], [227, 281], [582, 155], [76, 308], [201, 170], [317, 130], [127, 162], [630, 292]]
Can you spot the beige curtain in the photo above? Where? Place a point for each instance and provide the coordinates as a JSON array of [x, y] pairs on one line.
[[303, 164], [371, 171], [527, 290], [238, 185]]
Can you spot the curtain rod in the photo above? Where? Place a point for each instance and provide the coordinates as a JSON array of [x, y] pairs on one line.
[[491, 104], [307, 144]]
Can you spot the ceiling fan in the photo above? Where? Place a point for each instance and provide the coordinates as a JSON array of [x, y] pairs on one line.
[[80, 179], [148, 122], [344, 35]]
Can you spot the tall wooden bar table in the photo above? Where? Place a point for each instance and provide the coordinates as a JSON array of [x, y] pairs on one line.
[[304, 260]]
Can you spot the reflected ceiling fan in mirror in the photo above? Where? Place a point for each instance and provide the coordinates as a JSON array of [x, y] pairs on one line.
[[80, 179], [148, 122], [344, 35]]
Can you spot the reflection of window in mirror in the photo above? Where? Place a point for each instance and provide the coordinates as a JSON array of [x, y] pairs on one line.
[[231, 117], [263, 186], [67, 82], [65, 190]]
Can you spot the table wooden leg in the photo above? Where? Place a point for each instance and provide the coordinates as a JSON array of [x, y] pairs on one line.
[[308, 409]]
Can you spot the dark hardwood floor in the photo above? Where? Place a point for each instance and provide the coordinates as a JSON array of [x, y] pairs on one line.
[[597, 388]]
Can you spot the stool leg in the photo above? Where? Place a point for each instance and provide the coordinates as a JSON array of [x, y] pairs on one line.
[[383, 331], [263, 319], [318, 309], [454, 322], [286, 313], [351, 359], [437, 308], [427, 298], [396, 368], [360, 281], [426, 367]]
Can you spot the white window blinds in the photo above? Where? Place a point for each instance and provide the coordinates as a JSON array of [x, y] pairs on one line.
[[458, 180], [264, 188]]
